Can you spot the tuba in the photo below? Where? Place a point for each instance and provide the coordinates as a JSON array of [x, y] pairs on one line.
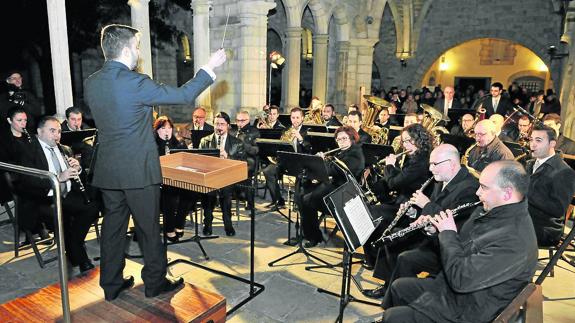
[[431, 119], [313, 116], [374, 107]]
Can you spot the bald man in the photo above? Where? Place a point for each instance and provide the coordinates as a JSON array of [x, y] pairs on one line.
[[488, 147], [448, 101], [453, 186]]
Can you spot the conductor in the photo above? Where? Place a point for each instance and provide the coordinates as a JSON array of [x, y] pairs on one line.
[[127, 167]]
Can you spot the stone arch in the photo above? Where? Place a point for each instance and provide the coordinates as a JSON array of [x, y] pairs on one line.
[[430, 55], [320, 16], [398, 27], [376, 11], [341, 19]]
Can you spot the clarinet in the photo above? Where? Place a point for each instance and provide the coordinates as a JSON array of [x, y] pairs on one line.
[[389, 238], [402, 212], [77, 179], [167, 146], [25, 132]]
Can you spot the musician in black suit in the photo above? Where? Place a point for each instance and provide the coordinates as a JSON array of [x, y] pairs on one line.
[[328, 116], [453, 185], [297, 132], [448, 102], [73, 120], [248, 135], [564, 144], [230, 148], [384, 119], [402, 178], [354, 120], [551, 187], [312, 201], [198, 123], [36, 194], [127, 167], [496, 103], [272, 119]]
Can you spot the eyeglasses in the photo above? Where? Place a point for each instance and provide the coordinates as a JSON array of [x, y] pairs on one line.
[[341, 139], [434, 164], [242, 120], [406, 140]]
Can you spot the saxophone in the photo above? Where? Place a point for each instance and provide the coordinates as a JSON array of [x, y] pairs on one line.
[[465, 161]]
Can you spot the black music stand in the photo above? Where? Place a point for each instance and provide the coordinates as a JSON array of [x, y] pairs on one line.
[[196, 237], [271, 133], [285, 119], [75, 139], [321, 141], [460, 142], [315, 127], [354, 220], [270, 148], [515, 148], [304, 167], [197, 135], [373, 153]]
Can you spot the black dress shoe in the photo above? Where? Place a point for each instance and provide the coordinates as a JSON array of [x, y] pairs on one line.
[[207, 231], [367, 265], [168, 286], [310, 244], [173, 239], [378, 292], [179, 234], [231, 232], [281, 202], [128, 283], [86, 266]]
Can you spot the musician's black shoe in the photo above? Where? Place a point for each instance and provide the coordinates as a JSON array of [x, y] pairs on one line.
[[127, 284], [180, 234], [207, 231], [86, 266], [231, 232], [168, 286], [310, 244], [281, 202], [366, 265], [175, 238], [378, 292]]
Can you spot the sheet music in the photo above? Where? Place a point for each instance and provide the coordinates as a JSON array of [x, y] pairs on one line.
[[359, 218]]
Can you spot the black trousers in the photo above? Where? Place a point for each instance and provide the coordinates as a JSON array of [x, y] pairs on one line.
[[175, 207], [209, 203], [144, 206], [272, 174], [401, 293], [311, 203]]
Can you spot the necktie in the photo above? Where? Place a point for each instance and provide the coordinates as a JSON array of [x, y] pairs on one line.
[[536, 165], [219, 141], [58, 169], [495, 103]]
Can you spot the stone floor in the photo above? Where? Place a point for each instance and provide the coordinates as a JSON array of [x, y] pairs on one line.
[[290, 291]]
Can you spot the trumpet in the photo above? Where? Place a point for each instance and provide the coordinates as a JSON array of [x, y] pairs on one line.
[[389, 238], [408, 206], [27, 134], [77, 179]]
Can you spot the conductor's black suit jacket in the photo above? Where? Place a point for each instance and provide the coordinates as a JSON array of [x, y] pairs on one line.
[[121, 101]]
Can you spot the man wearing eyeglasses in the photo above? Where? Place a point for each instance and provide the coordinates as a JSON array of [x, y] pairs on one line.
[[248, 135], [488, 147], [453, 186]]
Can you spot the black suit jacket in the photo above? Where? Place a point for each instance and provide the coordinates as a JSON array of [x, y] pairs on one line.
[[364, 137], [503, 107], [408, 179], [333, 122], [354, 160], [550, 191], [66, 127], [248, 136], [233, 146], [440, 104], [121, 102]]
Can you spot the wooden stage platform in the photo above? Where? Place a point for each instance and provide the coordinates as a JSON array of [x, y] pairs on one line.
[[189, 304]]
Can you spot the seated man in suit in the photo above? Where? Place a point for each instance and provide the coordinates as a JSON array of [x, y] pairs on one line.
[[248, 135], [73, 120], [328, 116], [448, 102], [272, 171], [465, 128], [564, 144], [44, 153], [198, 123], [272, 119], [230, 148], [485, 264], [452, 187], [551, 187], [354, 121]]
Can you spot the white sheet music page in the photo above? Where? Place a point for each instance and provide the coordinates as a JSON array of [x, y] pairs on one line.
[[359, 218]]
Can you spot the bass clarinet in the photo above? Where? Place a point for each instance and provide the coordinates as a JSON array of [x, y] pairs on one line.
[[407, 207], [388, 238], [77, 179], [27, 134]]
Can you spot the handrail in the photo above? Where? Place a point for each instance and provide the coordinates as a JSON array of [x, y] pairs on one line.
[[59, 228]]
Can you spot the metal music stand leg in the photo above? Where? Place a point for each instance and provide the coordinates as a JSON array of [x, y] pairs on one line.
[[255, 288], [196, 237], [345, 297]]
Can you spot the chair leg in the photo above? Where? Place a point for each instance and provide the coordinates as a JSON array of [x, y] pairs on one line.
[[14, 220], [35, 248]]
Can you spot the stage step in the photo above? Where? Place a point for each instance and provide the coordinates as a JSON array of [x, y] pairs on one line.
[[189, 304]]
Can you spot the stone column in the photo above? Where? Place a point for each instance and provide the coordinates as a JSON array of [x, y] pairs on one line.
[[252, 53], [290, 81], [201, 9], [140, 14], [358, 69], [60, 55], [320, 66], [341, 76]]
